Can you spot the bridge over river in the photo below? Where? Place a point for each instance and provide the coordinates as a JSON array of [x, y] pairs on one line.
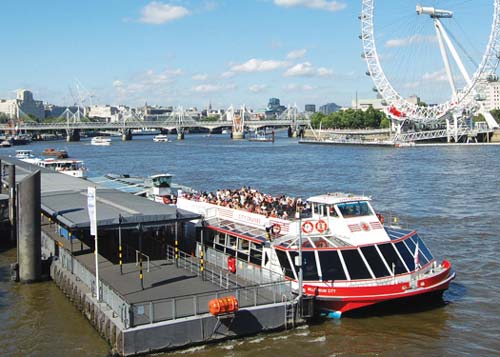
[[179, 121]]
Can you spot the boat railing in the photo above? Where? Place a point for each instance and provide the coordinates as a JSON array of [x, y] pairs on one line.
[[245, 270]]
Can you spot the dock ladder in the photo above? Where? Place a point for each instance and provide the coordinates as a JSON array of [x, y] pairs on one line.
[[290, 314]]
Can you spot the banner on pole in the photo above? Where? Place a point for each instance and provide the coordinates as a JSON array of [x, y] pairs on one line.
[[91, 205]]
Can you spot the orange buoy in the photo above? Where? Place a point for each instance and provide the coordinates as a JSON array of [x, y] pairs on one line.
[[225, 305]]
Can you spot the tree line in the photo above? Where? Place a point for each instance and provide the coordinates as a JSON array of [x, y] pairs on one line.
[[351, 119]]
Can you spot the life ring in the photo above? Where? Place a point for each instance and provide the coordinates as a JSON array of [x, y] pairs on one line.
[[307, 227], [321, 244], [321, 226], [276, 229], [166, 200], [381, 218]]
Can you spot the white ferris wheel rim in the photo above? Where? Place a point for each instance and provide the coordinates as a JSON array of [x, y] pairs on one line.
[[393, 99]]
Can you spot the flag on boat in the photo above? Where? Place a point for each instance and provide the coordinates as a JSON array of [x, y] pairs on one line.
[[415, 257]]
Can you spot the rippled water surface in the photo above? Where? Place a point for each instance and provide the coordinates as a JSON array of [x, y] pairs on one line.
[[449, 194]]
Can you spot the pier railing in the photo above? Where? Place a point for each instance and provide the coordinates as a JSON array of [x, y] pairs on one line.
[[248, 292], [107, 294], [197, 304]]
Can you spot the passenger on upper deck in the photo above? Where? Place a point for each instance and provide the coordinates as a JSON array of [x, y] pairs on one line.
[[253, 201]]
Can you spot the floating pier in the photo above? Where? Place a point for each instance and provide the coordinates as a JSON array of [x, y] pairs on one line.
[[154, 286]]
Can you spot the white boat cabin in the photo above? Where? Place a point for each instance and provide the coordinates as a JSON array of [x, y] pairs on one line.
[[346, 216]]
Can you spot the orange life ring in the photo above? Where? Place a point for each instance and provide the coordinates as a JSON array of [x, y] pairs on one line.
[[321, 244], [276, 229], [321, 226], [166, 200], [307, 227]]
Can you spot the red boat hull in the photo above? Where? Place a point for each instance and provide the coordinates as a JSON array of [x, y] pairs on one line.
[[343, 299]]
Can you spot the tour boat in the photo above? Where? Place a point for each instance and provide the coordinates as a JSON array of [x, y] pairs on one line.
[[350, 257], [262, 137], [100, 141], [26, 156], [70, 167], [161, 138]]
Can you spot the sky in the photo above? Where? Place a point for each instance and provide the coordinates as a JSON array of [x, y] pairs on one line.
[[185, 52]]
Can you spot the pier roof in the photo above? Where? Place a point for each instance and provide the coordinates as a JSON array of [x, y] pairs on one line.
[[70, 209], [64, 198]]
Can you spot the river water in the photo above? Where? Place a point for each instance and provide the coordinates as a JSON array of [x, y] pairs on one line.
[[449, 194]]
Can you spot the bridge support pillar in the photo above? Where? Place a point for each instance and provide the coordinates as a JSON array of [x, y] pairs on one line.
[[73, 135], [127, 135], [237, 135], [180, 135]]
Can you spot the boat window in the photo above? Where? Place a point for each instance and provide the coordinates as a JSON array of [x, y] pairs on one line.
[[243, 247], [355, 209], [256, 254], [162, 181], [355, 265], [219, 242], [423, 248], [231, 245], [406, 255], [392, 258], [422, 260], [333, 212], [285, 264], [375, 261], [310, 269], [331, 266], [319, 209]]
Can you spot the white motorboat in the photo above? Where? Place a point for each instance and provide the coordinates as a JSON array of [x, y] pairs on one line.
[[26, 156], [70, 167], [161, 138], [100, 141]]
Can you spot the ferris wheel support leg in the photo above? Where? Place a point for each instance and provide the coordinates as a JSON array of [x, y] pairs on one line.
[[454, 53], [444, 54]]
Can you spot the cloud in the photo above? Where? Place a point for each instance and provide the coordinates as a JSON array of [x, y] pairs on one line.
[[306, 69], [258, 65], [298, 87], [158, 13], [407, 41], [200, 77], [257, 88], [313, 4], [146, 82], [212, 88], [295, 54], [428, 78], [228, 74], [438, 76]]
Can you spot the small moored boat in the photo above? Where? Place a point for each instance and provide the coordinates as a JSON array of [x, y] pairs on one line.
[[75, 168], [100, 141], [58, 153], [161, 138]]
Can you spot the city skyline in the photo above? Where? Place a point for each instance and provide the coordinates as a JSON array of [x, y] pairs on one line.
[[186, 52]]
